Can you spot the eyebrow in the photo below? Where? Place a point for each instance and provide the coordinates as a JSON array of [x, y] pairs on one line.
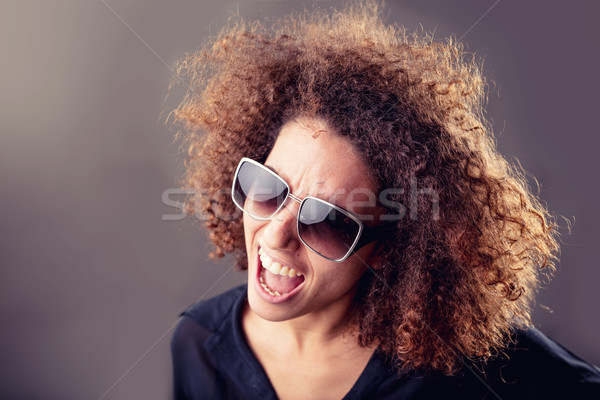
[[279, 175], [305, 195], [273, 169]]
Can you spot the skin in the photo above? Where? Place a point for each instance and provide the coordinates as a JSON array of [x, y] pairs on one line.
[[307, 333]]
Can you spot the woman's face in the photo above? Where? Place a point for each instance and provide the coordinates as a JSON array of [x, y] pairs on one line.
[[316, 162]]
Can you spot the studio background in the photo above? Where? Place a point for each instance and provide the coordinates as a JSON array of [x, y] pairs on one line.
[[93, 275]]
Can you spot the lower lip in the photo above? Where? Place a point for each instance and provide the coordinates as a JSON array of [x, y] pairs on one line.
[[266, 296]]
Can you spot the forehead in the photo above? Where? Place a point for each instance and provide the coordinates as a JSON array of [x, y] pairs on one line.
[[316, 161]]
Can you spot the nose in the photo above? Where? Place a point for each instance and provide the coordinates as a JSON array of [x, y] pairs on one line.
[[281, 232]]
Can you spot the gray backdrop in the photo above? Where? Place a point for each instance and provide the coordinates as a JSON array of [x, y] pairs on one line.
[[93, 277]]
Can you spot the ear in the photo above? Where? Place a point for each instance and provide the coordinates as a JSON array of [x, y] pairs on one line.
[[377, 259]]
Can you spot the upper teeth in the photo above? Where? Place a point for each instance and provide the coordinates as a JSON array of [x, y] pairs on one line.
[[275, 267]]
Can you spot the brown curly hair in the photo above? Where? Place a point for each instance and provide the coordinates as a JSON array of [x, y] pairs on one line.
[[450, 287]]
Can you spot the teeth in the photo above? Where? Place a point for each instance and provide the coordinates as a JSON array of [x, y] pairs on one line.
[[267, 289], [266, 261], [276, 267], [272, 293]]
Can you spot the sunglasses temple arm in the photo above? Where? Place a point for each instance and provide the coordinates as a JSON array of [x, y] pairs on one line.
[[369, 234]]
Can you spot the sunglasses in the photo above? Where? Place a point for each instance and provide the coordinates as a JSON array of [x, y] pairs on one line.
[[328, 230]]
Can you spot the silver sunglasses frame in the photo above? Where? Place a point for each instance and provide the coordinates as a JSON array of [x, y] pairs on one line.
[[301, 202]]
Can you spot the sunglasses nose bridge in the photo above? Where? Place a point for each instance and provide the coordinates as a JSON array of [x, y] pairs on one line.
[[295, 198], [285, 207], [293, 214]]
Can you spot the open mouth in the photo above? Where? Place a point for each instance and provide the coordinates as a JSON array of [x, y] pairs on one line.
[[278, 281]]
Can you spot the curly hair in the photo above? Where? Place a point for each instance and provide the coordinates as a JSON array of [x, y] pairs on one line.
[[454, 283]]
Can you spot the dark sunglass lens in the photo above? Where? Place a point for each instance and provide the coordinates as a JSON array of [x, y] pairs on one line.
[[258, 191], [325, 229]]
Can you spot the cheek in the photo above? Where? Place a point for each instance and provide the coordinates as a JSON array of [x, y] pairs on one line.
[[348, 275], [337, 276], [251, 227], [248, 235]]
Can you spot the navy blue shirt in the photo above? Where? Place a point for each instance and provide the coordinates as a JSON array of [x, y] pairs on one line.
[[211, 360]]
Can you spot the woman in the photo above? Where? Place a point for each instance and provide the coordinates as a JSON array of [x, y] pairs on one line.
[[391, 251]]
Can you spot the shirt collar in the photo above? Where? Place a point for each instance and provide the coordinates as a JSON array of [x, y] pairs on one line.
[[228, 348]]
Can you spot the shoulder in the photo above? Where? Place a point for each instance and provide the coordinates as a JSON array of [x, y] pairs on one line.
[[534, 347], [195, 371], [536, 365], [203, 318], [210, 313], [532, 366]]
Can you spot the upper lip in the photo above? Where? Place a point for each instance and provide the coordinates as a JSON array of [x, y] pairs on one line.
[[280, 261]]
